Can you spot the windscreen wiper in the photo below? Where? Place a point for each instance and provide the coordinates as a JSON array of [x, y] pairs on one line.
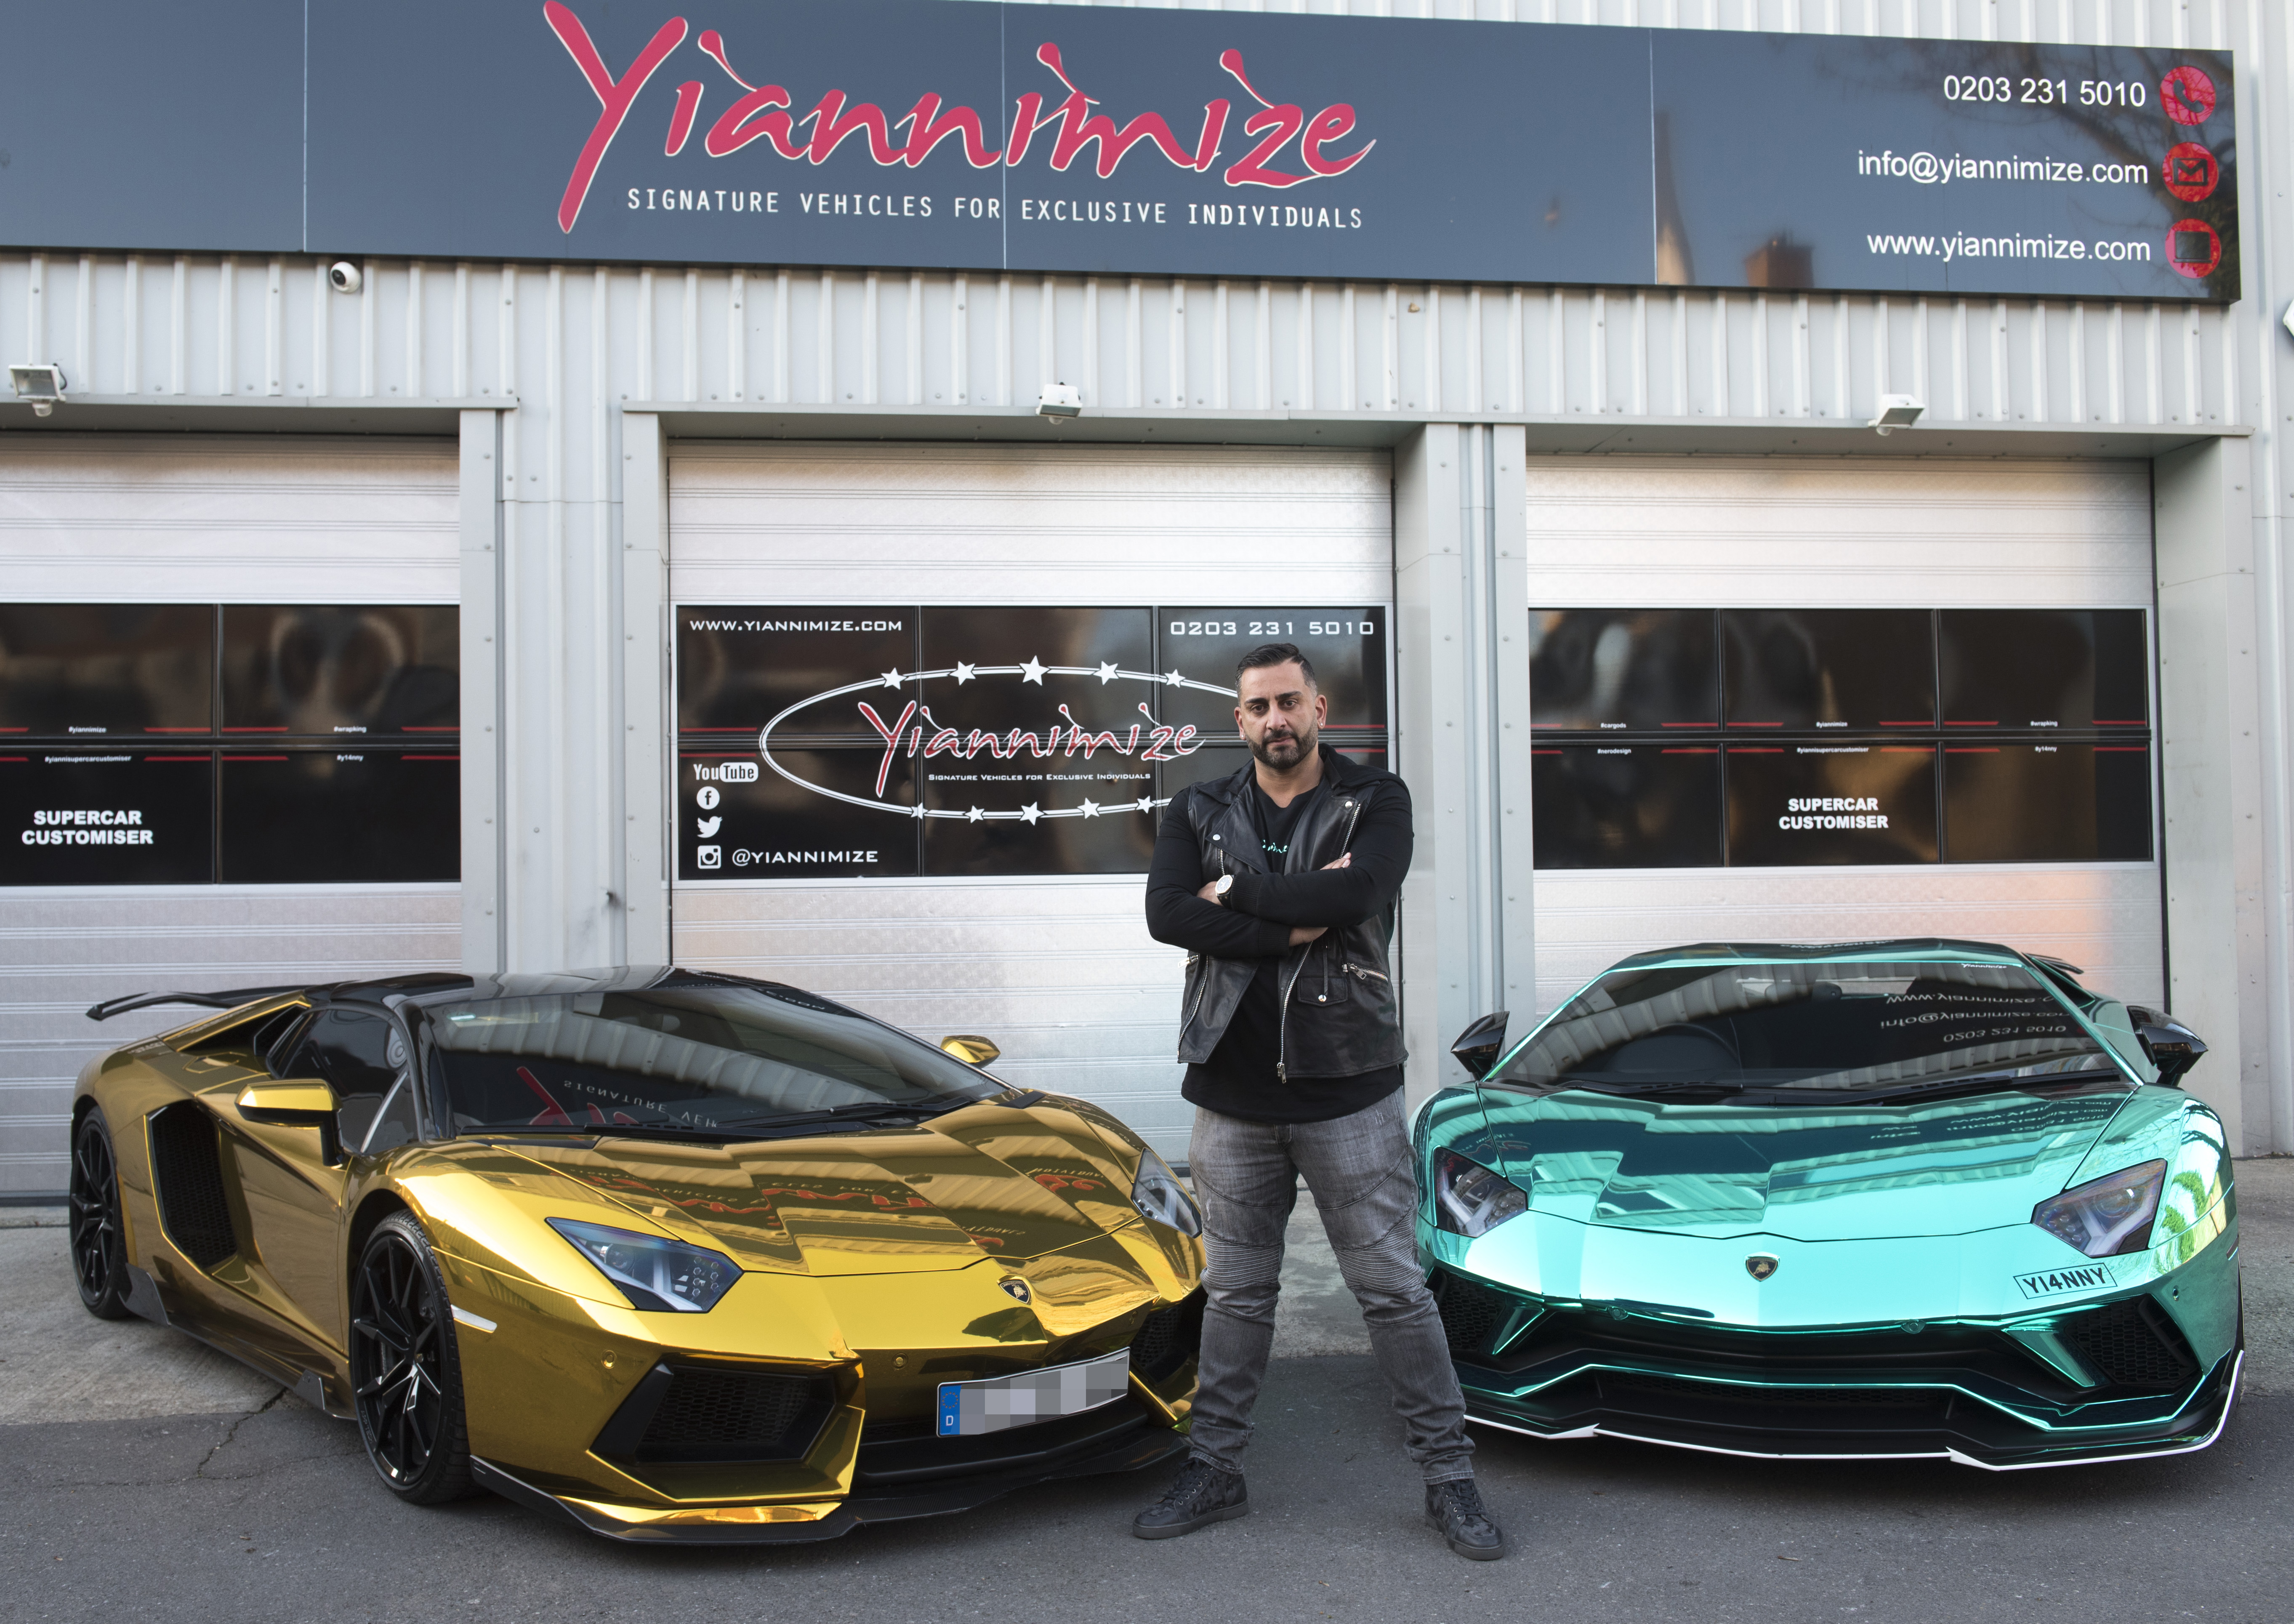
[[1981, 1082], [1710, 1087]]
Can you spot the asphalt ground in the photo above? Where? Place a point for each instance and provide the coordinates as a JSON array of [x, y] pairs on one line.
[[145, 1476]]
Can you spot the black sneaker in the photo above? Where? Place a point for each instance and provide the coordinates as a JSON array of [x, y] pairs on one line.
[[1201, 1494], [1455, 1509]]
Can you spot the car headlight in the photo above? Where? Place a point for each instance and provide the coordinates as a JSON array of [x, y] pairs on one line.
[[1158, 1194], [2107, 1216], [1471, 1200], [655, 1274]]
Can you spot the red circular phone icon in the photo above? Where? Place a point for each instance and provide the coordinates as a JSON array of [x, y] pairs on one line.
[[2193, 247], [2188, 94], [2189, 171]]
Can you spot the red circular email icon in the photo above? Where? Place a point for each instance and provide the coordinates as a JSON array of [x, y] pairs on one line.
[[2189, 171]]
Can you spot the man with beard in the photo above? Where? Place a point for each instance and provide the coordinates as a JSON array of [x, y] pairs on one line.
[[1279, 881]]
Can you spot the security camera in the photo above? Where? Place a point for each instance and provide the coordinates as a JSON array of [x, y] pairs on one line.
[[1897, 411], [1059, 400], [344, 277], [41, 382]]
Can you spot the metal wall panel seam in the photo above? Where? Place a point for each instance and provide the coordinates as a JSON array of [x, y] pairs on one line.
[[226, 348], [913, 332], [871, 315]]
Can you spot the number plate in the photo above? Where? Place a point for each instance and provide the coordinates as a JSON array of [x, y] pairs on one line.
[[989, 1406]]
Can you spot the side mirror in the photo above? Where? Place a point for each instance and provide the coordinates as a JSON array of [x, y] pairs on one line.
[[2173, 1047], [303, 1103], [1479, 1045], [971, 1051]]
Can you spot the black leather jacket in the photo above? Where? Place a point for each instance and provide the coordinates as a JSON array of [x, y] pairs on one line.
[[1340, 1014]]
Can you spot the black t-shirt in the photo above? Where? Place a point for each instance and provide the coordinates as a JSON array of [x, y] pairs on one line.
[[1240, 1078]]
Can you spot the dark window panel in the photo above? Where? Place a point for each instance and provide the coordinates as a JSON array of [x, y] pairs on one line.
[[1218, 761], [1815, 670], [1622, 670], [1796, 805], [317, 816], [1000, 700], [2068, 668], [2069, 802], [1347, 648], [73, 670], [738, 820], [315, 670], [1620, 806], [146, 818], [739, 668]]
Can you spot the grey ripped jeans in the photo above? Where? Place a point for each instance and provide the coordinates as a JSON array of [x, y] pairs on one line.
[[1358, 1168]]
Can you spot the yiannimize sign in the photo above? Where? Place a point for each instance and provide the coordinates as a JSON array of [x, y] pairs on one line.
[[1047, 139]]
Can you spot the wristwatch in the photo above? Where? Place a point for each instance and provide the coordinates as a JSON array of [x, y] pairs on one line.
[[1218, 892]]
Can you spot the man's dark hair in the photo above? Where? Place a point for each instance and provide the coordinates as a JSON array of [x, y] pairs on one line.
[[1277, 653]]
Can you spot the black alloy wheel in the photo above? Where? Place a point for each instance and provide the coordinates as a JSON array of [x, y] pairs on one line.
[[405, 1374], [99, 1247]]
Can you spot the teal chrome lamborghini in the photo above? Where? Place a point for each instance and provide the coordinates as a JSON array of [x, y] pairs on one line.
[[1873, 1199]]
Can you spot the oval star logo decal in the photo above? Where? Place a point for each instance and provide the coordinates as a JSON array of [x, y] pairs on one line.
[[1761, 1265]]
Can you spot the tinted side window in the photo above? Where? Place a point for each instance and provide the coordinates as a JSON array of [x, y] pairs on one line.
[[358, 1055]]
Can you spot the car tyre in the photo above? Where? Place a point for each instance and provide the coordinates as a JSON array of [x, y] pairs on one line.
[[98, 1242], [406, 1372]]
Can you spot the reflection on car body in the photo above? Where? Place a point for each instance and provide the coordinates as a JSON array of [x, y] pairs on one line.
[[677, 1256], [1893, 1199]]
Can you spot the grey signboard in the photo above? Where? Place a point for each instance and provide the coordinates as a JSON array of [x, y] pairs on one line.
[[1079, 140]]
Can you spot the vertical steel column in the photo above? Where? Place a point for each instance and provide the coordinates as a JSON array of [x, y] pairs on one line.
[[484, 913], [1461, 594], [648, 808], [2211, 777], [1514, 982]]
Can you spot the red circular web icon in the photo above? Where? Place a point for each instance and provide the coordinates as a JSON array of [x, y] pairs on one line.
[[2193, 247], [2188, 95], [2189, 171]]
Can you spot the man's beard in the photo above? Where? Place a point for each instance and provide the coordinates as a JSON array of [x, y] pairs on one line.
[[1294, 748]]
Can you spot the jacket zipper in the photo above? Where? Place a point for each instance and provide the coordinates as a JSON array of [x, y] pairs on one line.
[[1282, 1034], [1363, 972], [1203, 984]]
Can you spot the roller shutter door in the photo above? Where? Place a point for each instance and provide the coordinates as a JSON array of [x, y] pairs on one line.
[[196, 523], [1057, 969], [1936, 535]]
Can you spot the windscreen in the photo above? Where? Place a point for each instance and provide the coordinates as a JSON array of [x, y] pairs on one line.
[[1809, 1025], [709, 1058]]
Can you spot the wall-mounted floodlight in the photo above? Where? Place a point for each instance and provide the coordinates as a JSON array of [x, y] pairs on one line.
[[1059, 400], [1897, 411], [40, 382]]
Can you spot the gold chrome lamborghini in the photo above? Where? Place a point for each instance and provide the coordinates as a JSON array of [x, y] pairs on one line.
[[679, 1257]]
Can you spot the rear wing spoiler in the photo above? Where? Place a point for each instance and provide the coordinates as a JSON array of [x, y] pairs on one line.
[[229, 999]]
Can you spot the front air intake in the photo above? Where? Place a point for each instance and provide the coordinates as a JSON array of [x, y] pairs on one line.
[[187, 1176], [693, 1412], [1471, 1313], [1168, 1338], [2133, 1344]]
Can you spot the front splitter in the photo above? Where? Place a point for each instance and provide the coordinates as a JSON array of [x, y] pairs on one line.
[[2209, 1418], [813, 1520]]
